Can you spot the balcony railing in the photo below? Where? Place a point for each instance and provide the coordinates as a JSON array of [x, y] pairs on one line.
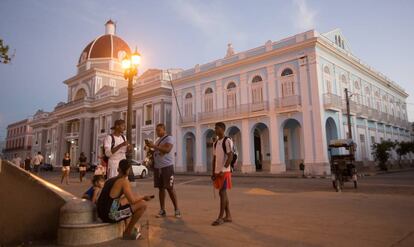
[[75, 102], [332, 101], [290, 103], [72, 134], [188, 119], [244, 110]]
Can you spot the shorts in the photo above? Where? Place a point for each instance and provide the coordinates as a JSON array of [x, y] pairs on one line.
[[223, 182], [65, 168], [164, 177], [118, 213]]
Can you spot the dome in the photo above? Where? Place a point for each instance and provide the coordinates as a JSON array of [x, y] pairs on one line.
[[107, 46]]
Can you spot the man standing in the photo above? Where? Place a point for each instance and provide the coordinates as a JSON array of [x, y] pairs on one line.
[[17, 160], [222, 157], [27, 162], [37, 161], [116, 146], [164, 169]]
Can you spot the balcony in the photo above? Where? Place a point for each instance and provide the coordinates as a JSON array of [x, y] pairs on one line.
[[239, 111], [80, 102], [72, 135], [188, 120], [288, 104], [332, 101]]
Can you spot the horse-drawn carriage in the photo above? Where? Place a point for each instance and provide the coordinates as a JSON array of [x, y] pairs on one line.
[[343, 165]]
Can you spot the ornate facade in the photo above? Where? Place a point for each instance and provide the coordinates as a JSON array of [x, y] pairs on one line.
[[283, 102], [97, 96]]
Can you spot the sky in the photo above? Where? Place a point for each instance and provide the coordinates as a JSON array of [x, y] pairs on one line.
[[47, 37]]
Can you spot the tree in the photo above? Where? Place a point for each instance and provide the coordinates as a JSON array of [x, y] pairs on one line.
[[403, 148], [381, 153], [4, 53]]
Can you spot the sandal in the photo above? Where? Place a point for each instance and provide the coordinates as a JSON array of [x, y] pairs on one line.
[[218, 222], [227, 220]]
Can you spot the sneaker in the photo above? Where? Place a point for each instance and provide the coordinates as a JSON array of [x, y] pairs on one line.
[[162, 213], [133, 236], [177, 213]]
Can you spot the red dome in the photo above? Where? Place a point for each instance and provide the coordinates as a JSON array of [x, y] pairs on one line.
[[105, 46]]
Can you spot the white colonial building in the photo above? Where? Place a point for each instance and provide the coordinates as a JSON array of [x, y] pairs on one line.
[[97, 96], [282, 102]]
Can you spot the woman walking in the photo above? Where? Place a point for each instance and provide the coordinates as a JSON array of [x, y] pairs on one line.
[[82, 166], [65, 168]]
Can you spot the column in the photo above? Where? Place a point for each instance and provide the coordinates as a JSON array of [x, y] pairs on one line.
[[244, 99], [319, 160], [271, 83], [61, 148], [199, 166], [219, 94], [247, 166], [276, 166]]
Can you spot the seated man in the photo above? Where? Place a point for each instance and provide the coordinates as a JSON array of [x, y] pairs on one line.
[[117, 202]]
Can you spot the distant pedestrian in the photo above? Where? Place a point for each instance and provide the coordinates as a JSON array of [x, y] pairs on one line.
[[116, 146], [27, 162], [65, 168], [82, 166], [37, 161], [164, 169], [17, 161], [221, 175]]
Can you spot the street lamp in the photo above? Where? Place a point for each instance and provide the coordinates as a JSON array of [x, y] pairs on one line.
[[130, 67]]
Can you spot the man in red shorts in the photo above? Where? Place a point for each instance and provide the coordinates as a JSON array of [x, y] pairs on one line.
[[222, 157]]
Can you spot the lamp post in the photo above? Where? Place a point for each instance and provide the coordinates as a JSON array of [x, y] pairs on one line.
[[130, 67]]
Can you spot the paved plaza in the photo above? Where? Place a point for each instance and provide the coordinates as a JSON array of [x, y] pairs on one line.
[[279, 212]]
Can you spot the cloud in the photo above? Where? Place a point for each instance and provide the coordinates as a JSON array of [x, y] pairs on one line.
[[211, 19], [304, 17]]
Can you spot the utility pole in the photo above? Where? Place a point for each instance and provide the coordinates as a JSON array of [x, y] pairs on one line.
[[348, 115]]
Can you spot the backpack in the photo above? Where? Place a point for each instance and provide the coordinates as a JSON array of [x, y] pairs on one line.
[[106, 158], [233, 161]]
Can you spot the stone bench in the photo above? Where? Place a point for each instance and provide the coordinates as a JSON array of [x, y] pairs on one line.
[[79, 225]]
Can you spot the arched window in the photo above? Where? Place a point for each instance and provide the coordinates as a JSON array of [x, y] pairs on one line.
[[287, 72], [188, 105], [231, 85], [209, 91], [328, 79], [257, 89], [288, 83], [208, 100], [80, 94], [367, 96], [257, 78], [344, 80], [231, 95]]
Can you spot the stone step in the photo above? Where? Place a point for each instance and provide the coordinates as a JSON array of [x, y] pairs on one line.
[[79, 225], [88, 234]]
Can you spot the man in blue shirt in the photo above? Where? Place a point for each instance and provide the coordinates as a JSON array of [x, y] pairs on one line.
[[164, 169]]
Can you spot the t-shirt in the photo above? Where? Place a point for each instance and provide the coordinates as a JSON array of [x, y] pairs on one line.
[[118, 155], [163, 160], [221, 157], [37, 159], [16, 161]]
